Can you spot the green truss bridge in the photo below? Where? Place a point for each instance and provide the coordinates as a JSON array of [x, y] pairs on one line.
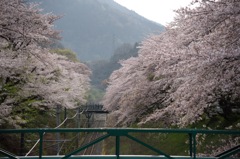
[[115, 139]]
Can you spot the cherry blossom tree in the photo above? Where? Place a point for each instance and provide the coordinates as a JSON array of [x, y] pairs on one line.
[[190, 70], [65, 83], [22, 24], [51, 79], [29, 71]]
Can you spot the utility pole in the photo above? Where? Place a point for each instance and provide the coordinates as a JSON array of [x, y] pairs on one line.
[[88, 116]]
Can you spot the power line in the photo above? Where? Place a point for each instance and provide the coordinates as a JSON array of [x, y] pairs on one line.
[[54, 128]]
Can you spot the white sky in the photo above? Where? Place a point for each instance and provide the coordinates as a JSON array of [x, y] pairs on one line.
[[160, 11]]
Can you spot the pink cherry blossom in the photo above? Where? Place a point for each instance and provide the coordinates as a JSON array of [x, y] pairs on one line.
[[183, 73]]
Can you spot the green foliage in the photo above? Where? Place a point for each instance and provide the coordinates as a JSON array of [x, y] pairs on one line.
[[217, 122], [9, 89], [68, 53], [209, 143], [25, 113], [102, 69], [150, 76], [32, 115], [95, 95]]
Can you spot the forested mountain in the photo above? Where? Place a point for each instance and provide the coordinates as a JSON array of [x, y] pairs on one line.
[[102, 69], [95, 28]]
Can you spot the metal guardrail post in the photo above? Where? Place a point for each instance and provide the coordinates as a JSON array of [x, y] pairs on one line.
[[22, 144], [41, 143], [194, 145], [190, 144], [117, 146], [57, 124]]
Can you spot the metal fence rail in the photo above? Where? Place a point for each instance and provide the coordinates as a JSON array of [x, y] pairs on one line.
[[117, 133]]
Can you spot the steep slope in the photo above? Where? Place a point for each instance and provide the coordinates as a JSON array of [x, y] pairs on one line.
[[94, 28]]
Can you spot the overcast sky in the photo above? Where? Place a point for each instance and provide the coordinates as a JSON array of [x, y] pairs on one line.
[[160, 11]]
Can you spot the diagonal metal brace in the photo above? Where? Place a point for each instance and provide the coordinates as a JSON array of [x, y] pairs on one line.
[[229, 152], [148, 146], [8, 154], [87, 145]]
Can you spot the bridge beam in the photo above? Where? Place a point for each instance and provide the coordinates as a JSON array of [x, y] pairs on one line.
[[112, 157]]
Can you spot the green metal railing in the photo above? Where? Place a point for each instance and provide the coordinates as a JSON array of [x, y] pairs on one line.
[[117, 133]]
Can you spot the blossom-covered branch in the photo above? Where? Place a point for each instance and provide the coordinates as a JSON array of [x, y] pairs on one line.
[[190, 70]]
